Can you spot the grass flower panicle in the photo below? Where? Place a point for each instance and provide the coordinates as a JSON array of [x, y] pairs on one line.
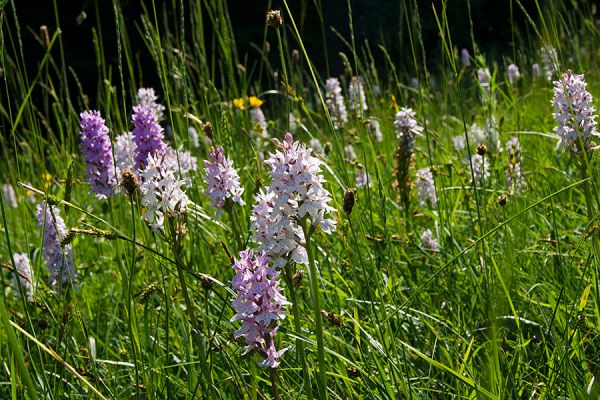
[[97, 153]]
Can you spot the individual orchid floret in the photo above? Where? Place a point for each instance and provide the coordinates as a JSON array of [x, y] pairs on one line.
[[356, 96], [426, 187], [259, 305], [97, 153], [23, 276], [514, 179], [574, 113], [124, 152], [334, 99], [148, 136], [414, 83], [148, 98], [162, 193], [58, 259], [429, 242], [10, 197], [513, 74], [222, 181]]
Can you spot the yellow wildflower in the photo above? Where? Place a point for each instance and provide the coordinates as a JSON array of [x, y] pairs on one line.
[[47, 180], [239, 103], [255, 101]]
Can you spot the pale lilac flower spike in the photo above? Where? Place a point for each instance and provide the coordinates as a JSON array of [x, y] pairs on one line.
[[426, 187], [97, 153], [259, 305], [24, 275], [574, 113], [147, 136], [335, 102], [296, 192], [124, 150], [10, 196], [148, 98], [162, 193], [222, 181], [429, 241], [58, 258]]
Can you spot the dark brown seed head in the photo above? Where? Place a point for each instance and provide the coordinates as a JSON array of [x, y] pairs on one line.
[[208, 130], [274, 18], [481, 149], [502, 200], [129, 181], [349, 200]]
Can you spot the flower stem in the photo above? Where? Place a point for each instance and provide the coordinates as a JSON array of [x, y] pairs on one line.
[[314, 288], [274, 390], [298, 327], [177, 252]]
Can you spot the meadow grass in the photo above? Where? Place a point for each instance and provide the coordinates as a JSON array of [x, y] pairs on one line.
[[506, 307]]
